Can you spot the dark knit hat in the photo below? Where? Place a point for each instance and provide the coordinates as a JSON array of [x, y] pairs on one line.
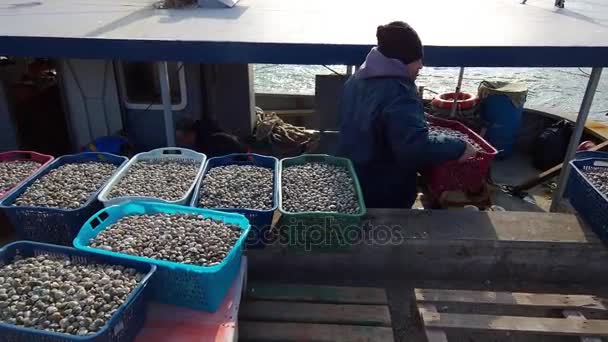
[[400, 41]]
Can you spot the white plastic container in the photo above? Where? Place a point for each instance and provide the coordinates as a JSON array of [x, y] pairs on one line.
[[157, 154]]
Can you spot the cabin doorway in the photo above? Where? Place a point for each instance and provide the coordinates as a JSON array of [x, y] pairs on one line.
[[34, 105]]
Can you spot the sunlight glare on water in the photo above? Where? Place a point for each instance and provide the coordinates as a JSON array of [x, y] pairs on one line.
[[557, 90]]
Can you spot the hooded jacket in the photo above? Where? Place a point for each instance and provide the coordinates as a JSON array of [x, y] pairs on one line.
[[384, 132]]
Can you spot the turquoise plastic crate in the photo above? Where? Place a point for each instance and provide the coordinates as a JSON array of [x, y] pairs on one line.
[[320, 230], [196, 287], [124, 324]]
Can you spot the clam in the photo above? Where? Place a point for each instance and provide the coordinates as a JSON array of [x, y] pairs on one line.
[[183, 238], [438, 132], [13, 172], [598, 178], [44, 307], [167, 179], [69, 186], [318, 187], [237, 186]]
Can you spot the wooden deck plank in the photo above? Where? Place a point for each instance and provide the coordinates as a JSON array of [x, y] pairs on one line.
[[432, 334], [578, 315], [552, 172], [318, 294], [511, 227], [371, 315], [597, 128], [510, 298], [285, 332], [541, 325]]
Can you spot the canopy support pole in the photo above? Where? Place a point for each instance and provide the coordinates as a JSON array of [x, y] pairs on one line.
[[349, 70], [594, 79], [8, 138], [165, 91], [458, 86]]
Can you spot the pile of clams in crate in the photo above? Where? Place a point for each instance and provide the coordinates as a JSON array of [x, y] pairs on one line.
[[146, 220]]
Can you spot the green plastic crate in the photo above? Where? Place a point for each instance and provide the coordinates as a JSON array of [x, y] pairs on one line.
[[317, 230]]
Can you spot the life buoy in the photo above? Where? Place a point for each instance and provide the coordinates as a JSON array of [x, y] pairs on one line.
[[446, 100], [586, 145]]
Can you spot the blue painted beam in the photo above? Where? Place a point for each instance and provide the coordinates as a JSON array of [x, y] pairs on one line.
[[277, 53]]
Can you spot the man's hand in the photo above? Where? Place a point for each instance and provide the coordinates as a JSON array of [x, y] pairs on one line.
[[469, 152]]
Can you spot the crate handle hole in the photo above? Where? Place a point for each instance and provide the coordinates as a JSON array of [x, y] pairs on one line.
[[243, 158], [173, 152], [103, 216], [95, 223], [319, 159], [23, 155], [600, 163]]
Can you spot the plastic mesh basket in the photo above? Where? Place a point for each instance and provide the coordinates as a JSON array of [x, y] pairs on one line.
[[469, 176], [192, 286], [157, 154], [51, 225], [320, 230], [43, 159], [590, 203], [260, 220], [123, 326]]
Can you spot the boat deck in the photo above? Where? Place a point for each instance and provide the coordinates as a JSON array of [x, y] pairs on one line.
[[402, 250], [595, 127], [516, 170], [451, 244], [387, 311], [460, 250]]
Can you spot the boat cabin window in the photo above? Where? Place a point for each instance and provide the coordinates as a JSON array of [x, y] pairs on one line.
[[140, 85]]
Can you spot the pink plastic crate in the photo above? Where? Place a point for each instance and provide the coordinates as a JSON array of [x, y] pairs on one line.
[[469, 176], [43, 159]]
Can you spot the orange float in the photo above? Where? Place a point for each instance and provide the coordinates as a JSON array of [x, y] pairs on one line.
[[446, 100]]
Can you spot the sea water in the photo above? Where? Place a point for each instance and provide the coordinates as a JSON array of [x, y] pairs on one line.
[[555, 90]]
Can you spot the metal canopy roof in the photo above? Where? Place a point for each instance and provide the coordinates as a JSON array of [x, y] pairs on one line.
[[455, 33]]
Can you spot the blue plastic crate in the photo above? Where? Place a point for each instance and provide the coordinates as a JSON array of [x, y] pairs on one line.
[[260, 220], [122, 326], [51, 225], [589, 202], [196, 287]]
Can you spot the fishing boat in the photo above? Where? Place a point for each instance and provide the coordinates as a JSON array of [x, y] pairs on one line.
[[77, 71]]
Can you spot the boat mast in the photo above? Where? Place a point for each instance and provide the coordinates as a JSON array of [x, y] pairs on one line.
[[594, 79], [458, 86]]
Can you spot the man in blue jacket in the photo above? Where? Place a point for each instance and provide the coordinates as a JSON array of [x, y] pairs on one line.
[[383, 128]]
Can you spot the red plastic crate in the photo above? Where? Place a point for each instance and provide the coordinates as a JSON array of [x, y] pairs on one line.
[[43, 159], [469, 176]]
